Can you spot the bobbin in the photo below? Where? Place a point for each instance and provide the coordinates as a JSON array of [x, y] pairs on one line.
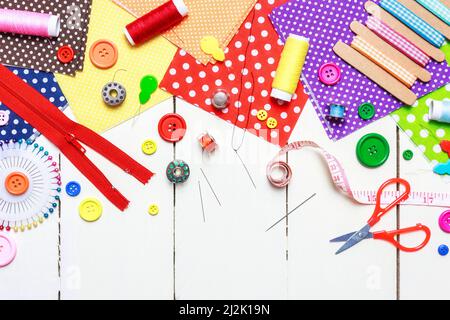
[[178, 171], [114, 94], [207, 142]]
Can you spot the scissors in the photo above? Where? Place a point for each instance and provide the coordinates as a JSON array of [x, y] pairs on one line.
[[353, 238]]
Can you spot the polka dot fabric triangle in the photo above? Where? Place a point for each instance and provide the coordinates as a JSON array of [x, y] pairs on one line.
[[246, 74]]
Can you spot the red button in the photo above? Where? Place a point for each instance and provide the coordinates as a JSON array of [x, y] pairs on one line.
[[65, 54], [172, 127], [329, 74]]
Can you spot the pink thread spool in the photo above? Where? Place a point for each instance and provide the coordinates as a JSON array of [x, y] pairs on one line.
[[29, 23]]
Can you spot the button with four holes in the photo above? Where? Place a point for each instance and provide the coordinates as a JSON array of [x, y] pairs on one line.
[[262, 115], [172, 127], [272, 123], [153, 210], [443, 250], [149, 147], [329, 74], [90, 210], [444, 221], [4, 118], [8, 250], [372, 150], [65, 54], [103, 54], [366, 111], [17, 183], [408, 155], [73, 189]]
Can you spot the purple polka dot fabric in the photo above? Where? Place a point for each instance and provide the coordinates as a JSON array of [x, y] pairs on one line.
[[326, 22]]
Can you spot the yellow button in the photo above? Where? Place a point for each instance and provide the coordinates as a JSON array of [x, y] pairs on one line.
[[272, 123], [149, 147], [90, 210], [153, 210], [261, 115]]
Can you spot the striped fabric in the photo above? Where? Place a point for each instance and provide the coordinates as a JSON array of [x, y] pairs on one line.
[[397, 41], [386, 63], [415, 23], [437, 8]]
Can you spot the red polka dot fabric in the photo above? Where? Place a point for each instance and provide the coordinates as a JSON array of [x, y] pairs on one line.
[[246, 74]]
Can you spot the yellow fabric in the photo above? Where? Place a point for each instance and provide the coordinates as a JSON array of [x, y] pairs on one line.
[[220, 19], [84, 91]]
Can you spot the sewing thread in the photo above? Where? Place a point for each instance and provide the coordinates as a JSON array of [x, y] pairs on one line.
[[156, 22], [29, 23], [290, 67], [440, 111]]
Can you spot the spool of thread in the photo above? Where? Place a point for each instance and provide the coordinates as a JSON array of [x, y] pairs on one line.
[[207, 142], [290, 67], [29, 23], [337, 111], [440, 111], [156, 22]]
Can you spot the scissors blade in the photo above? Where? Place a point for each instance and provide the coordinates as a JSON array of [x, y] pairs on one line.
[[357, 237], [347, 236]]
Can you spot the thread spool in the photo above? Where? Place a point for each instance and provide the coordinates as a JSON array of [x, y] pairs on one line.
[[29, 23], [156, 22], [290, 67], [207, 142], [440, 111], [337, 111]]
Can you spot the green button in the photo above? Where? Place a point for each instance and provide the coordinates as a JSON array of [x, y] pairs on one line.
[[408, 155], [366, 111], [372, 150]]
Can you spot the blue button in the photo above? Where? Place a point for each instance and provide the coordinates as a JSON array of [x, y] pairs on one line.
[[443, 250], [73, 189]]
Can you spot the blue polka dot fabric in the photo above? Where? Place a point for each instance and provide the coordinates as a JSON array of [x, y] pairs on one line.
[[14, 127]]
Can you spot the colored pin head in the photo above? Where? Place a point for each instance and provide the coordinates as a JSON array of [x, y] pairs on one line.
[[149, 84]]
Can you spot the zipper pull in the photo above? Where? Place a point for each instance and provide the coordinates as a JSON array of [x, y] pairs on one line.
[[73, 140]]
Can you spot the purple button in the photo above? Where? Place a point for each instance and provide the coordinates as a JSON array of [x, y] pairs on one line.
[[4, 118], [444, 221], [7, 250], [329, 74]]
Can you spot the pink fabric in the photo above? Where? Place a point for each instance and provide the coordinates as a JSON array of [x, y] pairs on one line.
[[397, 41]]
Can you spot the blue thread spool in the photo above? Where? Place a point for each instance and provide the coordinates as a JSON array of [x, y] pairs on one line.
[[337, 111], [440, 111]]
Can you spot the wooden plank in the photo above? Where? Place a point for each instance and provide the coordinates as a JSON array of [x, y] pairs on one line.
[[422, 274], [123, 255], [367, 271], [34, 272], [230, 256]]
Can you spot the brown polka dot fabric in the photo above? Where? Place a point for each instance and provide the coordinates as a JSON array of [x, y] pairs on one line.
[[41, 53]]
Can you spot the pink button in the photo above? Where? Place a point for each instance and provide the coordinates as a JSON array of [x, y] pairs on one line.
[[329, 74], [7, 250], [444, 221], [4, 118]]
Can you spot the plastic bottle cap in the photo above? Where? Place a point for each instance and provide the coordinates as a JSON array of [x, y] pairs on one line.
[[372, 150]]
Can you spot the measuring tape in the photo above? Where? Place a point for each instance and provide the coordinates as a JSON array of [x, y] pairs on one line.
[[279, 174]]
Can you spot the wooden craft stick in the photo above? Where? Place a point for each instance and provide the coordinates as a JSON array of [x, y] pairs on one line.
[[375, 73], [392, 53], [427, 16], [399, 27]]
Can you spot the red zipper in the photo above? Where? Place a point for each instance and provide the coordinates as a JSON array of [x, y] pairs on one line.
[[67, 135]]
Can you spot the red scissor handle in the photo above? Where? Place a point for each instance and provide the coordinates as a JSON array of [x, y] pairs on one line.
[[389, 236], [379, 211]]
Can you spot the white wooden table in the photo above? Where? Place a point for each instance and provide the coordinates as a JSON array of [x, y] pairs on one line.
[[176, 255]]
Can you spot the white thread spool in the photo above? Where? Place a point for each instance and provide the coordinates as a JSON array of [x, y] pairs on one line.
[[440, 111]]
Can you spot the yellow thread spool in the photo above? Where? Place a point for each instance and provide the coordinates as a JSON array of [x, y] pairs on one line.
[[290, 67]]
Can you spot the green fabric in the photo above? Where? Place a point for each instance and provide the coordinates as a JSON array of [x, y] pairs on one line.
[[426, 134]]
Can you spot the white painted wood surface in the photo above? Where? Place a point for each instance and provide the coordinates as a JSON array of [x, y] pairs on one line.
[[177, 254]]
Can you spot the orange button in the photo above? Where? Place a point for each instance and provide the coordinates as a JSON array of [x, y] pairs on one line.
[[104, 54], [17, 183]]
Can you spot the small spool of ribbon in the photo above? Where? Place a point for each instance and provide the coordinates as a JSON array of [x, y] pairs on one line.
[[29, 23], [290, 67], [207, 142], [440, 111], [156, 22], [337, 111]]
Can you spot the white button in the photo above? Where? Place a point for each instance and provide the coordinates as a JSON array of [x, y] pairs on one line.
[[4, 118]]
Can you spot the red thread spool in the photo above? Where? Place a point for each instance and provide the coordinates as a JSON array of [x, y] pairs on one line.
[[207, 142], [156, 22]]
